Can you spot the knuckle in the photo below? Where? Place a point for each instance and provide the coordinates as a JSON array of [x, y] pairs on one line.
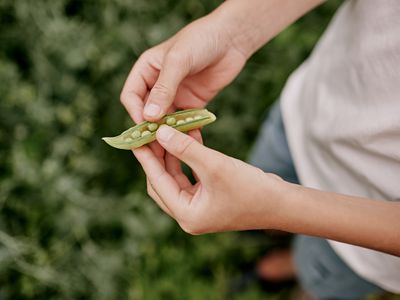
[[160, 89], [185, 145], [146, 55], [123, 98], [190, 229]]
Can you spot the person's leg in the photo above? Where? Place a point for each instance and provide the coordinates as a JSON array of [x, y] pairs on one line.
[[324, 275]]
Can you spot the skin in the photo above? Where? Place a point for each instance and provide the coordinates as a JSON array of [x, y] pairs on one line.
[[187, 71]]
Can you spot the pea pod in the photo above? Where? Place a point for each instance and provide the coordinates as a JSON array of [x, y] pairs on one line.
[[145, 132]]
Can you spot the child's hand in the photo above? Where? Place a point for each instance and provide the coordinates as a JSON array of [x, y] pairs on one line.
[[186, 71], [228, 195], [232, 195]]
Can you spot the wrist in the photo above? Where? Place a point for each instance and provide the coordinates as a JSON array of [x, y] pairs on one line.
[[234, 26], [251, 24], [265, 207], [274, 197]]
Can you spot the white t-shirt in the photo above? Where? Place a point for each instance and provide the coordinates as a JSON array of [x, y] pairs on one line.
[[341, 111]]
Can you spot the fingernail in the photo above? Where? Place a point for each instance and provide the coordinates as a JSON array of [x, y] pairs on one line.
[[164, 133], [152, 110]]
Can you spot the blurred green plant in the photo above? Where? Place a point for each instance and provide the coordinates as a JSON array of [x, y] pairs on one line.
[[75, 221]]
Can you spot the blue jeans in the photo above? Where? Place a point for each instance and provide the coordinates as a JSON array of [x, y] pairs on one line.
[[320, 271]]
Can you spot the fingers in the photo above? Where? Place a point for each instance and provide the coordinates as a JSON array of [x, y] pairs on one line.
[[140, 80], [158, 151], [162, 182], [173, 167], [161, 79], [173, 70], [152, 193], [185, 148], [196, 134]]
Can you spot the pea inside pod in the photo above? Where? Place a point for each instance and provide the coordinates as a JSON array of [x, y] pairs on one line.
[[145, 132]]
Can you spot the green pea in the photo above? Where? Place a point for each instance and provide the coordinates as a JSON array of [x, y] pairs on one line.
[[152, 126], [146, 133], [136, 134], [142, 134], [171, 121]]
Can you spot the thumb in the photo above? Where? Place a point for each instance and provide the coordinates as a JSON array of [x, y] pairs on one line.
[[173, 70], [184, 147]]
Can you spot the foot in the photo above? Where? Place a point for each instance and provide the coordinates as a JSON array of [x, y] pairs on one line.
[[276, 266]]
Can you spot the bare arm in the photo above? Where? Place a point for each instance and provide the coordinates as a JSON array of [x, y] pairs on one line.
[[232, 195], [187, 71], [364, 222]]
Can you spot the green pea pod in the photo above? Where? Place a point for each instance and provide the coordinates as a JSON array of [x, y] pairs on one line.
[[145, 132]]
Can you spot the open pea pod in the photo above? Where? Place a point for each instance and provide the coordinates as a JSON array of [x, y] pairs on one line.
[[145, 132]]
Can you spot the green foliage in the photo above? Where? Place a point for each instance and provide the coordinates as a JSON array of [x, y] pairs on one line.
[[75, 220]]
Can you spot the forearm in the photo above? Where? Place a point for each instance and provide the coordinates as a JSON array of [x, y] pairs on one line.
[[251, 24], [364, 222]]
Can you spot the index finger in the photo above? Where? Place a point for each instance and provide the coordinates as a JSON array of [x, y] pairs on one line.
[[140, 80], [174, 198]]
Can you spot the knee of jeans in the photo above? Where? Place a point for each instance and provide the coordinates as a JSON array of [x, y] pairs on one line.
[[313, 274], [308, 271], [324, 275]]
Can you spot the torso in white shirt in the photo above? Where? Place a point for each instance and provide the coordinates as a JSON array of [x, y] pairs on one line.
[[341, 111]]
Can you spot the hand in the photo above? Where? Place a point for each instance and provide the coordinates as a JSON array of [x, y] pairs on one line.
[[186, 71], [190, 68], [232, 195], [228, 195]]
